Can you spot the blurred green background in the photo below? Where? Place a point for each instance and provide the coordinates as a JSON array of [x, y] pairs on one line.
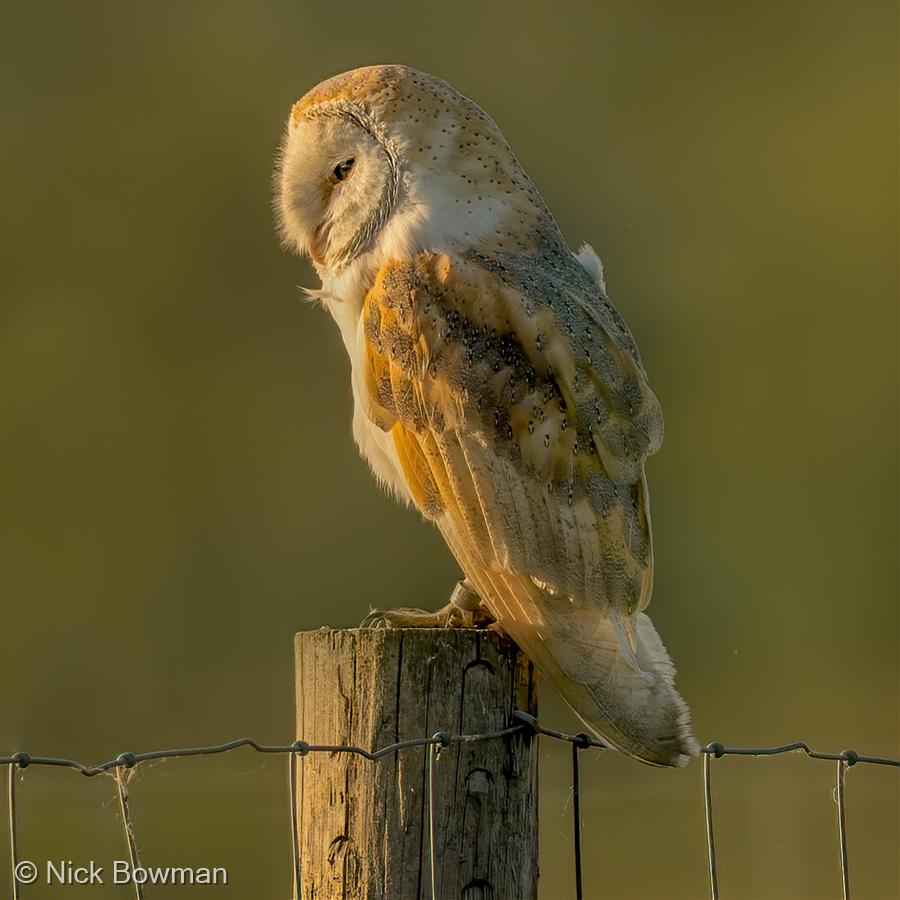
[[180, 489]]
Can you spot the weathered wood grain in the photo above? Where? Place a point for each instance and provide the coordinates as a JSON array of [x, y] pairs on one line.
[[363, 824]]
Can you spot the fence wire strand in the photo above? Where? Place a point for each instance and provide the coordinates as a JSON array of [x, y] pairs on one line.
[[429, 780], [523, 724], [295, 821], [710, 829], [128, 825], [840, 774], [576, 817], [13, 828], [844, 760]]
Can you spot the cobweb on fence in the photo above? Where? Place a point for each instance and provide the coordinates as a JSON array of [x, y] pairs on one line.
[[522, 724]]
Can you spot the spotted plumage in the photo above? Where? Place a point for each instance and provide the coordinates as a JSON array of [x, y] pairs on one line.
[[496, 387]]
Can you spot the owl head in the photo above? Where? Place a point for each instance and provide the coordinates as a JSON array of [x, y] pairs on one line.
[[386, 160]]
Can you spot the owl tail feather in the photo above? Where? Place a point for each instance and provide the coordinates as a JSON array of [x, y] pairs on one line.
[[616, 675], [636, 710]]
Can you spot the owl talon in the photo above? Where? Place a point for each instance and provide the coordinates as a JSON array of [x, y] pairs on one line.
[[451, 616], [375, 619], [405, 617]]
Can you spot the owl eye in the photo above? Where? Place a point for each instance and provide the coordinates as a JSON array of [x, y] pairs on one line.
[[343, 169]]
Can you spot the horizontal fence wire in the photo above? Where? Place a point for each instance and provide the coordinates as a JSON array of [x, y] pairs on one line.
[[522, 724]]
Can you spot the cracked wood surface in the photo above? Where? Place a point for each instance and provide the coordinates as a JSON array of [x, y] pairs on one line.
[[363, 824]]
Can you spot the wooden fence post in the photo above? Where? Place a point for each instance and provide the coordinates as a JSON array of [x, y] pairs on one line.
[[363, 825]]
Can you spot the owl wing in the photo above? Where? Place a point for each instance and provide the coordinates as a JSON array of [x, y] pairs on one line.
[[522, 418], [526, 418]]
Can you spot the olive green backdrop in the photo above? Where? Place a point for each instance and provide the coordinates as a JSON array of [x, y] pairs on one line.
[[180, 489]]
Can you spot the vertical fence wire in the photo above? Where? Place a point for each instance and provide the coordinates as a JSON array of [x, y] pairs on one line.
[[133, 854], [576, 814], [13, 829], [429, 765], [295, 823], [710, 830], [840, 774]]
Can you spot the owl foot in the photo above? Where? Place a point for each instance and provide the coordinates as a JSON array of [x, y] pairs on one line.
[[465, 610]]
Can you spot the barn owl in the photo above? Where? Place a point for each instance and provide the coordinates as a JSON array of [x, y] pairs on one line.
[[496, 389]]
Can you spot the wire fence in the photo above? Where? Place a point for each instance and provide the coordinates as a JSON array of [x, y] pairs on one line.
[[523, 724]]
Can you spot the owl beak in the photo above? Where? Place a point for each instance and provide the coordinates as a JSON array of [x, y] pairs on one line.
[[318, 244]]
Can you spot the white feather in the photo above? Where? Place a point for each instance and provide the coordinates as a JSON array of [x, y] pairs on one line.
[[591, 263]]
